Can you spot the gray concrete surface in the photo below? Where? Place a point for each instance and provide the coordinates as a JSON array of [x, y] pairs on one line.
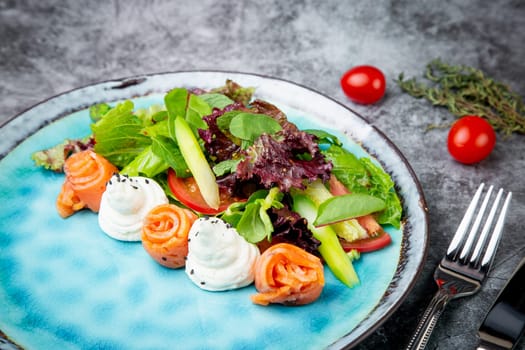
[[48, 47]]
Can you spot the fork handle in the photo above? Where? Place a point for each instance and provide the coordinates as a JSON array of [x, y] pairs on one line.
[[428, 320]]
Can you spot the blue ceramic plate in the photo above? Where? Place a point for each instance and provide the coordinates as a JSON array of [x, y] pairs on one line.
[[66, 285]]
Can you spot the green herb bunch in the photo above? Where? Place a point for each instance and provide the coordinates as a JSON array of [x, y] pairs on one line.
[[467, 91]]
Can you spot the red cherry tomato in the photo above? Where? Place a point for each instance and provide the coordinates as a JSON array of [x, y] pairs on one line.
[[364, 84], [188, 193], [471, 139]]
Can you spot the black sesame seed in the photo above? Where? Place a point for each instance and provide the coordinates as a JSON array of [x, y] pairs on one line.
[[164, 258], [135, 187], [203, 283], [192, 272], [147, 181]]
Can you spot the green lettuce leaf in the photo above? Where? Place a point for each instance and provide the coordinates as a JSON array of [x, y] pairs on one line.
[[146, 163], [167, 150], [235, 92], [216, 100], [118, 135], [364, 176]]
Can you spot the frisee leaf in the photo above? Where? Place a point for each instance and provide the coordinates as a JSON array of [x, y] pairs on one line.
[[464, 90]]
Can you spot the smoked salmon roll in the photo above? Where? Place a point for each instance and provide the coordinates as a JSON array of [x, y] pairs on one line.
[[287, 274], [68, 202], [165, 234], [86, 176]]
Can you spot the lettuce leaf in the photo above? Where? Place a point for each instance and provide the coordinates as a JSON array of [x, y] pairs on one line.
[[118, 135], [363, 176], [235, 92], [287, 160], [146, 163], [54, 158]]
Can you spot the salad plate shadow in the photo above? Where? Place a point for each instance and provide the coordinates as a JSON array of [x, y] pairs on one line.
[[64, 284]]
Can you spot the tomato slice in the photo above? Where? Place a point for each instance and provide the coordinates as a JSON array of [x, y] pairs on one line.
[[188, 193], [370, 244]]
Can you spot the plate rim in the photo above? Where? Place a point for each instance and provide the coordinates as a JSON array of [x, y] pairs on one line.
[[129, 81]]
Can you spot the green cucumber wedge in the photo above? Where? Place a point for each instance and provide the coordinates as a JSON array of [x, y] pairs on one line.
[[331, 251], [197, 163]]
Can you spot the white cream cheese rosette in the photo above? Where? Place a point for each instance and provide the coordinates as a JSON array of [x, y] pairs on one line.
[[218, 257], [125, 203]]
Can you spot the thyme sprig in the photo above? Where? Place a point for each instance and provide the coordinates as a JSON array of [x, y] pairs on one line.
[[465, 90]]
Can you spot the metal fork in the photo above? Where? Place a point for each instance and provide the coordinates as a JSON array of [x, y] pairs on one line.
[[467, 261]]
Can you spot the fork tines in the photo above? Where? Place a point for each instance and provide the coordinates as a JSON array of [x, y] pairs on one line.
[[474, 247]]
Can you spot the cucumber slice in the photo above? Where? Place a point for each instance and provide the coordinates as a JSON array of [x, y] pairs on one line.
[[197, 163], [331, 251]]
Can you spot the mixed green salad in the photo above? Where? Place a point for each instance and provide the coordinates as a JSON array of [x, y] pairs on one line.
[[221, 152]]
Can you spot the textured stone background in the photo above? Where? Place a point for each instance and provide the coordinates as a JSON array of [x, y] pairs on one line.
[[48, 47]]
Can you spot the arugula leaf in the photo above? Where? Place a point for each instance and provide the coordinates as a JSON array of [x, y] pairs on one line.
[[175, 101], [251, 219], [249, 126], [223, 122], [226, 167], [196, 109], [252, 226], [324, 137], [118, 135], [348, 206], [215, 100], [179, 102], [167, 150]]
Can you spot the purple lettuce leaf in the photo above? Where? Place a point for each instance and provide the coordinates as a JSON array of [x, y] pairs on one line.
[[54, 158], [218, 145], [290, 227], [286, 161]]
